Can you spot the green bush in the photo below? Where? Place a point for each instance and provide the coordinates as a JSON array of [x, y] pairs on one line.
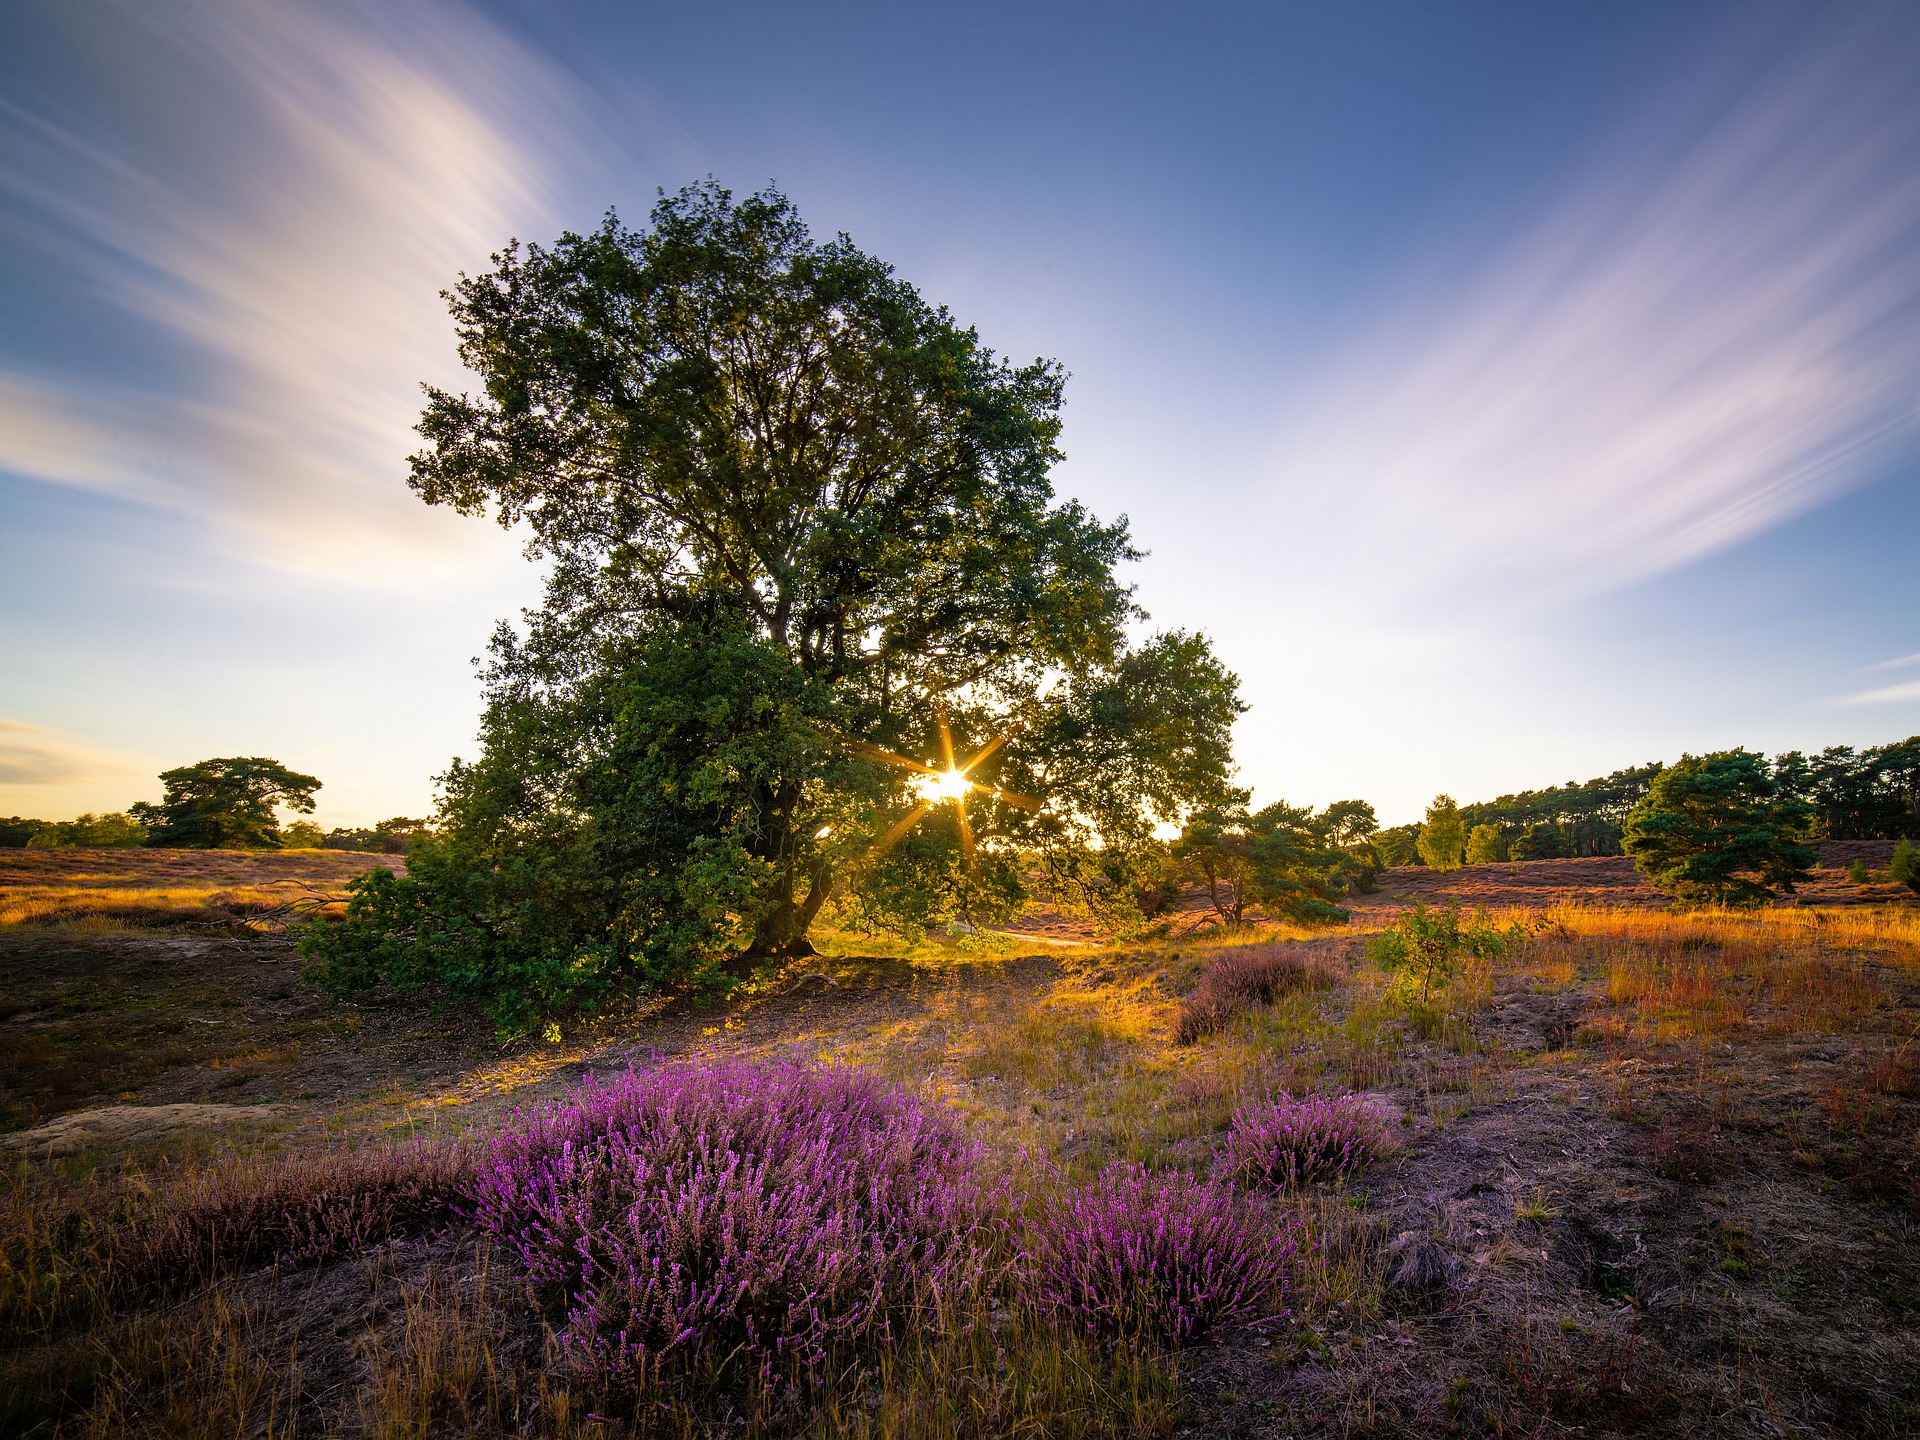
[[1425, 948], [551, 885], [113, 831], [1906, 866], [1858, 874], [1486, 845], [1543, 841], [1443, 839], [1719, 829]]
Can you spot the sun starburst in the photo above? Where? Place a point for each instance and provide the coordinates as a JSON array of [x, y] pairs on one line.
[[948, 783]]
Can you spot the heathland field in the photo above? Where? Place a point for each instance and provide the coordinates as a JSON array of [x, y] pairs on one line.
[[1638, 1173]]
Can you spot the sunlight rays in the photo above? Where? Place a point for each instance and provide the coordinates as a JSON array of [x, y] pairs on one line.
[[949, 782]]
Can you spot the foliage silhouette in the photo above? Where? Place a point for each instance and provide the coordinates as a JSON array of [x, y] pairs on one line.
[[224, 804]]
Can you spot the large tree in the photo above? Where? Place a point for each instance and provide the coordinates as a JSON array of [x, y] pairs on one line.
[[1721, 829], [225, 804], [795, 519]]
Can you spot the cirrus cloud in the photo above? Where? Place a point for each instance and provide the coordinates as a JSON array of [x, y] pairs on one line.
[[1715, 327], [292, 253], [32, 755]]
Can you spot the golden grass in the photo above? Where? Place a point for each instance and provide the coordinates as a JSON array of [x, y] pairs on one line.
[[89, 910], [1712, 974], [104, 892], [1893, 929]]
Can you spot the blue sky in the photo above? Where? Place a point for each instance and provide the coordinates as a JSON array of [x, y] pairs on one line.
[[1513, 391]]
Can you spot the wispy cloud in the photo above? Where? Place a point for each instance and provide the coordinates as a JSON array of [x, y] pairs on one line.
[[1886, 695], [1715, 327], [1898, 663], [363, 157], [30, 755]]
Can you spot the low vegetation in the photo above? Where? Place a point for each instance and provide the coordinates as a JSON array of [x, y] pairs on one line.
[[206, 891], [1581, 1169], [1237, 980]]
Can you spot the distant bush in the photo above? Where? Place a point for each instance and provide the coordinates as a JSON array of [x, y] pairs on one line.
[[1281, 858], [1486, 845], [733, 1221], [1858, 874], [1906, 865], [1235, 981], [1424, 948], [1291, 1143], [1443, 838], [16, 830], [1157, 1257], [302, 835], [1398, 846], [105, 832], [389, 837], [1542, 841]]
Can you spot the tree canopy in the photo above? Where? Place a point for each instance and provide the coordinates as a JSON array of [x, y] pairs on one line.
[[1443, 838], [113, 831], [1720, 829], [1282, 858], [224, 804], [795, 518]]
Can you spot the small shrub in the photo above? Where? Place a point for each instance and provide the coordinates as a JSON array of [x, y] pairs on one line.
[[697, 1224], [1536, 1208], [1424, 948], [1166, 1258], [1684, 1149], [1292, 1143], [1905, 866], [1236, 981], [1857, 873]]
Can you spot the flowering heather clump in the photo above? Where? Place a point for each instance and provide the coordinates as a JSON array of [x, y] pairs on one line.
[[693, 1222], [1161, 1257], [1290, 1143], [1237, 980]]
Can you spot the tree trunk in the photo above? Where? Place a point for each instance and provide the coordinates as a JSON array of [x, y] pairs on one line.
[[782, 931]]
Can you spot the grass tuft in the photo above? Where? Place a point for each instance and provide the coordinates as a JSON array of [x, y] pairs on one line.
[[1236, 981]]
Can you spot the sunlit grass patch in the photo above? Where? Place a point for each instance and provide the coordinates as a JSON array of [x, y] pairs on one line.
[[93, 892], [1718, 975]]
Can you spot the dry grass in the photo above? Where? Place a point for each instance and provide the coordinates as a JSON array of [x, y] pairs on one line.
[[1706, 976], [95, 892], [1740, 1086]]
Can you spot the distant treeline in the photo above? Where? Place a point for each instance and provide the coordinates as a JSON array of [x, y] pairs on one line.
[[118, 831], [1871, 794]]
